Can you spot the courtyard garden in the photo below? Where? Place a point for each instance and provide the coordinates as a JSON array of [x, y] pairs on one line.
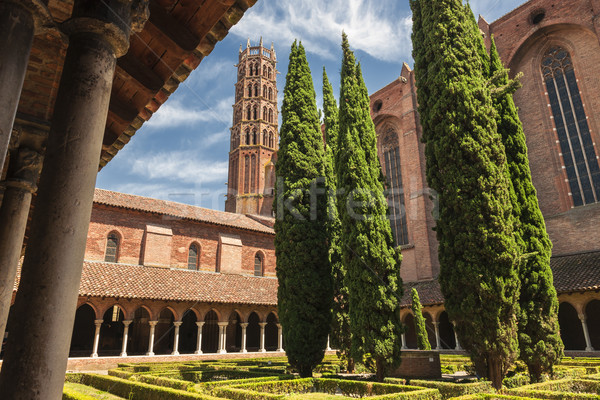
[[274, 378]]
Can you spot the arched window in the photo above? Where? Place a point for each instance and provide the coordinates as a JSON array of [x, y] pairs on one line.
[[264, 116], [258, 265], [270, 72], [247, 136], [570, 120], [264, 90], [271, 144], [251, 70], [249, 113], [112, 248], [249, 90], [253, 176], [265, 71], [246, 174], [270, 94], [256, 69], [271, 116], [254, 136], [255, 113], [265, 138], [193, 257], [256, 90]]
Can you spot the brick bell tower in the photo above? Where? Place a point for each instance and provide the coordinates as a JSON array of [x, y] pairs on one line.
[[254, 135]]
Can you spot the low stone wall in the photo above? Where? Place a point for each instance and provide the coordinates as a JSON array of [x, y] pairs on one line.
[[419, 364]]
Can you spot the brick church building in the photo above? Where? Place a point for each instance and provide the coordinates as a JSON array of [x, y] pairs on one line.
[[167, 278]]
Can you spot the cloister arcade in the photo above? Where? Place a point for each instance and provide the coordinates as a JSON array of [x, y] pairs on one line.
[[121, 328]]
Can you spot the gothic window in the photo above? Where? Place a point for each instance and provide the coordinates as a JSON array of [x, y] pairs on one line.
[[254, 136], [256, 69], [255, 90], [270, 94], [570, 120], [249, 90], [247, 136], [258, 265], [271, 140], [112, 248], [193, 257], [255, 113], [265, 138], [265, 71], [271, 116], [249, 114], [264, 91], [246, 174], [264, 116], [393, 174], [251, 69], [270, 72], [253, 177]]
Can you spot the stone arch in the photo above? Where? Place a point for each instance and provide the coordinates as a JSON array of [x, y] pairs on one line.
[[446, 329], [271, 332], [592, 313], [250, 90], [111, 332], [188, 332], [253, 332], [248, 114], [164, 333], [265, 71], [270, 73], [410, 335], [234, 333], [264, 113], [255, 112], [139, 331], [210, 332], [256, 90], [265, 141], [271, 115], [82, 338], [571, 331], [430, 329]]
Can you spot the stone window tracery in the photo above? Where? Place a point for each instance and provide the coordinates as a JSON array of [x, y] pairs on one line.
[[570, 120], [112, 248]]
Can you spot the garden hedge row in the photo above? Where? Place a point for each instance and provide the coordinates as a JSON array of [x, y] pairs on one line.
[[448, 389], [561, 389], [71, 394], [487, 396], [134, 390]]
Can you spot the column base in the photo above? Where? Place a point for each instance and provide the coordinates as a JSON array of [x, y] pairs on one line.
[[262, 351], [150, 353], [244, 351], [175, 353], [94, 355], [280, 350], [589, 349], [458, 348], [123, 354], [403, 348], [222, 351], [198, 352]]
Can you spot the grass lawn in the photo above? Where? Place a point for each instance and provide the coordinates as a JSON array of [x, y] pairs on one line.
[[90, 391]]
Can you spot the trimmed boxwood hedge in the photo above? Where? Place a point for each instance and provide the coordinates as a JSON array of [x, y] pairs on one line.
[[70, 394], [487, 396], [134, 390], [449, 389], [561, 389]]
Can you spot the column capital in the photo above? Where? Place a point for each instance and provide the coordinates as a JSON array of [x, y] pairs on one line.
[[223, 323], [200, 324], [177, 323], [98, 322], [278, 326], [42, 18], [127, 322], [581, 317], [262, 324], [152, 323], [244, 324], [24, 169]]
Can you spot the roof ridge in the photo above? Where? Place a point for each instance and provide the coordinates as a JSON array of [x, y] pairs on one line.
[[577, 253]]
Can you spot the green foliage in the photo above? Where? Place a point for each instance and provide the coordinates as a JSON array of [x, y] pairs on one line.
[[448, 389], [372, 263], [466, 166], [341, 337], [420, 326], [539, 338], [305, 292], [561, 389]]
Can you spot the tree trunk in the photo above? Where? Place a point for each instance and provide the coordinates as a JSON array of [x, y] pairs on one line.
[[535, 373], [380, 365], [305, 371], [495, 373], [350, 365]]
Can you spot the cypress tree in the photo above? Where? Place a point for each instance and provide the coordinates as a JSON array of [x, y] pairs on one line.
[[420, 326], [373, 264], [341, 338], [539, 339], [466, 165], [305, 290]]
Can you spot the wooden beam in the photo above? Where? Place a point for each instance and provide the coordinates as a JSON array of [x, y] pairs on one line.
[[123, 111], [130, 66], [172, 28]]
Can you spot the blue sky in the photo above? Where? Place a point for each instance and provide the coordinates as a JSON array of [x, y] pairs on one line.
[[181, 154]]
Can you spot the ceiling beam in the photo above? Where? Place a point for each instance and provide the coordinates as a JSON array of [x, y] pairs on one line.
[[172, 28]]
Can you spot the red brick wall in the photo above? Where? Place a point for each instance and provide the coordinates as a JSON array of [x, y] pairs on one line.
[[131, 226]]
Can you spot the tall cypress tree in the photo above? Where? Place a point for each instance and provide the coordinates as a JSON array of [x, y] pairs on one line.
[[341, 338], [372, 262], [466, 165], [539, 338], [305, 290], [420, 326]]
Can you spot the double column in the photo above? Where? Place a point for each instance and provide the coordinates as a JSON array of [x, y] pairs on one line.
[[38, 346]]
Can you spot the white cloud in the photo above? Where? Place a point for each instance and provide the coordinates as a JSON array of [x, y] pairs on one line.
[[491, 10], [370, 25], [180, 166], [176, 113]]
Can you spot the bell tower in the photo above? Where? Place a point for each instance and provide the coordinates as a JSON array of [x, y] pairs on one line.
[[254, 134]]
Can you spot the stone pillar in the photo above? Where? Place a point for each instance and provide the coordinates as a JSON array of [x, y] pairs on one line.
[[328, 346], [126, 323], [38, 346], [19, 21], [151, 339], [244, 325], [176, 339], [280, 338], [98, 324], [24, 170], [222, 336], [438, 345], [403, 341], [586, 333], [262, 337], [199, 338]]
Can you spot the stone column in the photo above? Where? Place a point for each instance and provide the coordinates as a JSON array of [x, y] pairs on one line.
[[222, 336], [262, 337], [328, 348], [126, 323], [19, 21], [151, 339], [586, 333], [438, 345], [244, 325], [98, 324], [403, 336], [280, 338], [199, 338], [24, 170], [38, 346], [176, 339]]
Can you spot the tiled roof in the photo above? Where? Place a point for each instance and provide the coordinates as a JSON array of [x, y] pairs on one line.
[[429, 293], [184, 211], [576, 272], [127, 281]]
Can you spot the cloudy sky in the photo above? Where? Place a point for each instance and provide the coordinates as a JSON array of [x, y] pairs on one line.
[[181, 154]]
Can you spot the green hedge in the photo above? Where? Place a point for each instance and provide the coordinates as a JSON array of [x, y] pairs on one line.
[[71, 394], [165, 381], [561, 389], [208, 387], [448, 389], [486, 396], [516, 381], [134, 390], [120, 373]]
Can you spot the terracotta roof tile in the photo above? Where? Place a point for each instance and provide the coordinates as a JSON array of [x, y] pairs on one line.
[[430, 293], [576, 272], [184, 211]]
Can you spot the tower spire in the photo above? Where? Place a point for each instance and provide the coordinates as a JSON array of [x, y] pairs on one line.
[[248, 44], [261, 42]]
